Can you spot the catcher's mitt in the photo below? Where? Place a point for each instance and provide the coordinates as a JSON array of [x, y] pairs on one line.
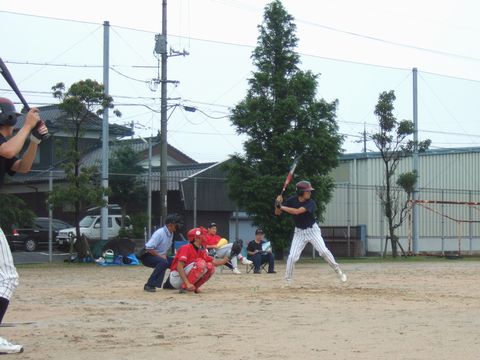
[[236, 248]]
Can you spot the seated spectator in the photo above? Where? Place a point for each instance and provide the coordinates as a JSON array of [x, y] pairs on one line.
[[259, 256], [212, 240], [192, 266]]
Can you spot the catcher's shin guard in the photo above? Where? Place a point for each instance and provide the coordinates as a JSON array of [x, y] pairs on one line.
[[197, 271], [208, 274]]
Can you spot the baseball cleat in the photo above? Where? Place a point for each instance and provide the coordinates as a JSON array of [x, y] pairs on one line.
[[236, 271], [7, 347], [287, 284], [341, 275], [149, 288]]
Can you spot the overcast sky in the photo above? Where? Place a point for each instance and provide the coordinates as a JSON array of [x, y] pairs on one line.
[[360, 48]]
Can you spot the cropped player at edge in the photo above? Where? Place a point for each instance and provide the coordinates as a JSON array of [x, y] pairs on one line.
[[302, 207]]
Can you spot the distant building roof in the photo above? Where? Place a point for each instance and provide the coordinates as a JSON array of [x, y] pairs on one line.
[[212, 191], [429, 152], [52, 115]]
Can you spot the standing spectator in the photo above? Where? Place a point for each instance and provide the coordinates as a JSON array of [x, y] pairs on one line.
[[259, 255], [212, 239], [156, 250], [10, 146], [192, 266]]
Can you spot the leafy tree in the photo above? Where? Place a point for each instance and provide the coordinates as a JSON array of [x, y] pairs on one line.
[[79, 103], [13, 210], [392, 140], [282, 119], [125, 186]]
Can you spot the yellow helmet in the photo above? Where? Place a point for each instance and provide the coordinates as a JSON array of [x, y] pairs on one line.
[[222, 242]]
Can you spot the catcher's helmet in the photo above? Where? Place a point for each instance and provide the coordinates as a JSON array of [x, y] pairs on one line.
[[303, 186], [8, 114], [195, 232]]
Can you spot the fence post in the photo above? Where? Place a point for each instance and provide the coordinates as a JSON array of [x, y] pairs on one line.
[[443, 224], [195, 202], [470, 224]]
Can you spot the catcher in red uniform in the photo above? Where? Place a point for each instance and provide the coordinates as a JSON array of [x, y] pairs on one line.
[[192, 266]]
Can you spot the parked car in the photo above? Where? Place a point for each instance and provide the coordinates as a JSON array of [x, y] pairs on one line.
[[90, 228], [31, 238]]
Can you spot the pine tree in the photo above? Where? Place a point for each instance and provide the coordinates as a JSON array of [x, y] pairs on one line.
[[282, 119]]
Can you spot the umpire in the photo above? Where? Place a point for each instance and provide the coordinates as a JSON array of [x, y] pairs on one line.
[[10, 146], [156, 250]]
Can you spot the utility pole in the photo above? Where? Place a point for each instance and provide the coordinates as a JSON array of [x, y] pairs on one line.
[[415, 164], [161, 48], [163, 120], [105, 135]]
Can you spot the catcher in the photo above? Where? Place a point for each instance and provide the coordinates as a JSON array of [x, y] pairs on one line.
[[192, 266], [302, 207]]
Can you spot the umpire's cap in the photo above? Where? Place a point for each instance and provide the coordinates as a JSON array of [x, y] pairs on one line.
[[174, 219]]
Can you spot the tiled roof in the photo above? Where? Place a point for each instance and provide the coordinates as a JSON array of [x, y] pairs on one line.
[[51, 114]]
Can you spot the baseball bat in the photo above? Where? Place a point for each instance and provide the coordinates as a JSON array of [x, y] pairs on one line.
[[13, 85], [290, 174], [9, 79]]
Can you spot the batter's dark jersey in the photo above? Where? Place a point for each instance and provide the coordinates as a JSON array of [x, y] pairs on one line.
[[307, 219], [5, 164]]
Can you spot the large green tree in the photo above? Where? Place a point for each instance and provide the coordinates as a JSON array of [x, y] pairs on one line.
[[282, 119], [80, 104], [393, 140], [126, 187]]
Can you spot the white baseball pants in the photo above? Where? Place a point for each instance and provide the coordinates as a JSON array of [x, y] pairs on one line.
[[8, 273], [224, 251], [301, 237]]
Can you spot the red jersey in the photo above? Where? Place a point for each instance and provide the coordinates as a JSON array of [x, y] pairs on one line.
[[189, 253], [212, 239]]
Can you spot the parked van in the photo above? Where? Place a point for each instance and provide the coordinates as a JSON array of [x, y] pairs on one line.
[[90, 228]]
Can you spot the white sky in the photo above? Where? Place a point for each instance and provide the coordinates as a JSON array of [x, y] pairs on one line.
[[334, 37]]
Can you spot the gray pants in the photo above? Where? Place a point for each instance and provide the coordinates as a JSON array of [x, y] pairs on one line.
[[8, 273]]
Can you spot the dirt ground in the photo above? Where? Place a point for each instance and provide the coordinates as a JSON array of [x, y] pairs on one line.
[[398, 310]]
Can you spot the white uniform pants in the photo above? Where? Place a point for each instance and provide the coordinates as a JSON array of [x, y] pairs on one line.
[[175, 278], [301, 237], [8, 273], [224, 251]]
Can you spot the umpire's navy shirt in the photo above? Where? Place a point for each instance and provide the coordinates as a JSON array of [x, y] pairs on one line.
[[5, 164], [305, 220]]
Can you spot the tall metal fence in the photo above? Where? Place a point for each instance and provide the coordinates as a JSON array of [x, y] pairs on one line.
[[449, 219]]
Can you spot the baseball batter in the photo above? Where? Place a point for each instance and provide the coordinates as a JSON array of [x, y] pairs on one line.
[[10, 146], [302, 207]]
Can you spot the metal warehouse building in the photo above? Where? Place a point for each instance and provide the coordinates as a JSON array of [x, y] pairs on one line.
[[449, 217]]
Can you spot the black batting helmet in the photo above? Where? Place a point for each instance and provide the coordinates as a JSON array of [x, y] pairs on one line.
[[8, 114], [303, 186]]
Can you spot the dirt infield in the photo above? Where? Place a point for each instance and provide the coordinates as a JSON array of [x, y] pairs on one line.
[[398, 310]]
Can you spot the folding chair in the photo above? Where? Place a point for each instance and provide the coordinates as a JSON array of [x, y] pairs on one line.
[[263, 267]]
